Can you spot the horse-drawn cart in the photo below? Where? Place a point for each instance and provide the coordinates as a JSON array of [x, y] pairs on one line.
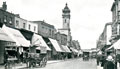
[[37, 59]]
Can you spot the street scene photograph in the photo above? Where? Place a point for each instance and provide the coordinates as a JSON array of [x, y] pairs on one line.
[[59, 34]]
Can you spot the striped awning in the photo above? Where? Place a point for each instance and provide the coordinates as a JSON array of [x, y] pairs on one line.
[[56, 45], [16, 36]]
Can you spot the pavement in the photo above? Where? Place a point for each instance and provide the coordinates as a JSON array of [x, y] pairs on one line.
[[23, 65], [99, 66]]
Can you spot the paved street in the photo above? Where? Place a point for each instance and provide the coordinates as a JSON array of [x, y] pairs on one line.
[[72, 64]]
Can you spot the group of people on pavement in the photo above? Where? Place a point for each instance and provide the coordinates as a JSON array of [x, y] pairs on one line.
[[107, 62]]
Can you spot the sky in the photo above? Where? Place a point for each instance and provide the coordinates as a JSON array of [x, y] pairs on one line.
[[88, 17]]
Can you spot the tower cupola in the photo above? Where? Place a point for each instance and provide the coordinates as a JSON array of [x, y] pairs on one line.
[[66, 9]]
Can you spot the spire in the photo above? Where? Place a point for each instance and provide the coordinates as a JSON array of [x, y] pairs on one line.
[[66, 9], [66, 4]]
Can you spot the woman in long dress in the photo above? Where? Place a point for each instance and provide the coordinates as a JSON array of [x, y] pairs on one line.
[[109, 63]]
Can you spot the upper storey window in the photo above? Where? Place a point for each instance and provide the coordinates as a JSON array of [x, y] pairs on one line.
[[29, 26], [24, 25], [118, 15], [5, 18]]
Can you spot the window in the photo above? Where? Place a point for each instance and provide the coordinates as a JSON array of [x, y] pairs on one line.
[[0, 20], [17, 23], [29, 26], [34, 28], [10, 20], [50, 32], [24, 25], [65, 20], [5, 18], [118, 15]]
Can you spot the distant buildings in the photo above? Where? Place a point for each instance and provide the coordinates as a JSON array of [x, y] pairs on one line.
[[110, 42]]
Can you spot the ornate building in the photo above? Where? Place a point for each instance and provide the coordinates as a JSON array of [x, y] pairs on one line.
[[66, 24]]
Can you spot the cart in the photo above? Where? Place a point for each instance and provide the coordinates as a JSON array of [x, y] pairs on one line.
[[85, 56], [37, 59]]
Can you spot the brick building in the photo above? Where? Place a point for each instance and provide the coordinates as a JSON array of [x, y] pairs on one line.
[[45, 29], [6, 17]]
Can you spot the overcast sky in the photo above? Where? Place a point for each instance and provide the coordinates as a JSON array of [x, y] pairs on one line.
[[88, 17]]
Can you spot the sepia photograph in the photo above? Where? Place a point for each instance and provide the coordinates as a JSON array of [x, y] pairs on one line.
[[59, 34]]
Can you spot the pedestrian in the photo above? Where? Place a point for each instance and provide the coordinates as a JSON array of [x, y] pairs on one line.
[[21, 58], [102, 60], [109, 63], [98, 59]]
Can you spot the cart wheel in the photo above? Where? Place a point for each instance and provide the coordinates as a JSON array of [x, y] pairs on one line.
[[44, 62], [41, 63]]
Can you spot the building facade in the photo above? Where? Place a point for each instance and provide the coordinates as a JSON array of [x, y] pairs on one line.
[[6, 17], [45, 29], [32, 27], [20, 23], [61, 38], [104, 38], [66, 24], [115, 9]]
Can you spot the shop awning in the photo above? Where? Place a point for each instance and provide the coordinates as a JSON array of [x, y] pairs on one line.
[[116, 45], [38, 41], [66, 49], [56, 45], [74, 50], [4, 36], [15, 35]]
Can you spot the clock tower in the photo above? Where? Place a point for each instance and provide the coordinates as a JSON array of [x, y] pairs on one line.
[[66, 24], [66, 18]]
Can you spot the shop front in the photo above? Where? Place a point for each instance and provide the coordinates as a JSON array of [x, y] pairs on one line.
[[21, 43], [6, 46], [74, 51], [56, 50], [67, 52], [41, 47], [115, 51]]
